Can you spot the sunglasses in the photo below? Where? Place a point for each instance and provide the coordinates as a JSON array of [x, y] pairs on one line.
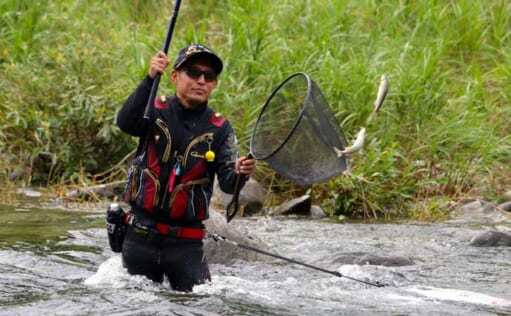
[[196, 73]]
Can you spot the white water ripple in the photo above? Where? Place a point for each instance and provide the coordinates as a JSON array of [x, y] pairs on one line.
[[463, 296]]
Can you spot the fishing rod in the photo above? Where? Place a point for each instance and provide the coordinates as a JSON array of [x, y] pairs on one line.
[[217, 237], [148, 113]]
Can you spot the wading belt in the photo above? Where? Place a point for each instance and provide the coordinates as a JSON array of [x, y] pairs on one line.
[[181, 232], [146, 226]]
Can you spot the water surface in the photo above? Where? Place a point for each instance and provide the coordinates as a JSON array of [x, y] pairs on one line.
[[58, 262]]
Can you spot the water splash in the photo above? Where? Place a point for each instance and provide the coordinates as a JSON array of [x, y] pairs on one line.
[[463, 296], [111, 274]]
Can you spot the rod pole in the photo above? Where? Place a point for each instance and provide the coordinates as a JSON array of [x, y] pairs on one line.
[[335, 273]]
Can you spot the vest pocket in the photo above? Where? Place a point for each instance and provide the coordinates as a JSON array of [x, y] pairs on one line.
[[133, 187], [179, 203], [190, 202], [148, 190], [199, 205]]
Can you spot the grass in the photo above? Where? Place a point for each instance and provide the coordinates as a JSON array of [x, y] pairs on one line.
[[67, 66]]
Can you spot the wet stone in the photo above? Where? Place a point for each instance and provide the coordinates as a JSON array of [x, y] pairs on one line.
[[29, 192], [109, 190], [491, 239], [223, 252], [251, 198], [507, 196], [480, 211], [317, 212], [390, 261], [506, 207], [360, 258], [299, 206]]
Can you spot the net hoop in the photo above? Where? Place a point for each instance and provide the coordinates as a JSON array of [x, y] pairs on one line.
[[297, 122]]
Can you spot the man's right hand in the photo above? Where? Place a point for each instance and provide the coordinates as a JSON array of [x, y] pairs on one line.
[[158, 64]]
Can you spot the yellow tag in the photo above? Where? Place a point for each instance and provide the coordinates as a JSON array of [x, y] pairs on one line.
[[209, 155]]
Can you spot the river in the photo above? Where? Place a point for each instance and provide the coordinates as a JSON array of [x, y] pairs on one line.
[[57, 262]]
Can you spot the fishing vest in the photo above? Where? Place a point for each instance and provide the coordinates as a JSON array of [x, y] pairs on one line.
[[170, 177]]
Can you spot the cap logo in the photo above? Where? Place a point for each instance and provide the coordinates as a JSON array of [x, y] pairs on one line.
[[195, 49]]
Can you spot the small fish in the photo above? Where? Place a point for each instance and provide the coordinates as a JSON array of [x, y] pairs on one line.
[[357, 145], [382, 93]]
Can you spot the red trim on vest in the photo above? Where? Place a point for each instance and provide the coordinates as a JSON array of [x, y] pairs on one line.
[[152, 159], [217, 121], [150, 189], [160, 105], [172, 180]]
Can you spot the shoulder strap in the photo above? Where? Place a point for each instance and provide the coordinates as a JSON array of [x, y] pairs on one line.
[[161, 103], [216, 119]]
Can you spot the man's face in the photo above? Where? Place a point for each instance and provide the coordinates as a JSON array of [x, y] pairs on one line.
[[194, 82]]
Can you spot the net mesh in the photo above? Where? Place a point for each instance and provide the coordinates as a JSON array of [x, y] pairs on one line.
[[296, 133]]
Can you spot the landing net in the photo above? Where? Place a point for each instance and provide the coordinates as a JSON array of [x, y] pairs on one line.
[[296, 133]]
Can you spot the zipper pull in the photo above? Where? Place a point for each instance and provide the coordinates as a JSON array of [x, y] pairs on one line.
[[178, 166], [209, 155], [196, 154]]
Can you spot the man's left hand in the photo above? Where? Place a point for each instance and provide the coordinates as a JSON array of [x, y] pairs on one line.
[[245, 166]]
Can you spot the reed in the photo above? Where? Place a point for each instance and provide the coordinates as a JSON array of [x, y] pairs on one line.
[[66, 67]]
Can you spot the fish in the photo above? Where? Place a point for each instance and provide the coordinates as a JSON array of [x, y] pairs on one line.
[[383, 89], [357, 145], [382, 93]]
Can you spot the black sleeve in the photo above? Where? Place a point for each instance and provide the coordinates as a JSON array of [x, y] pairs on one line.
[[225, 162], [130, 118]]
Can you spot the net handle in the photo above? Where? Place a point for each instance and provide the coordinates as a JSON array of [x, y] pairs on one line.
[[309, 88]]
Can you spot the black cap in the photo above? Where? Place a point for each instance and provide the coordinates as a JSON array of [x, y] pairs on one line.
[[195, 51]]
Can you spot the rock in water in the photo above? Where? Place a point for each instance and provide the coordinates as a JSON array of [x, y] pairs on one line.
[[251, 197], [480, 212], [362, 258], [491, 239], [317, 212], [507, 196], [29, 192], [223, 252], [108, 190], [505, 206], [388, 261], [300, 206]]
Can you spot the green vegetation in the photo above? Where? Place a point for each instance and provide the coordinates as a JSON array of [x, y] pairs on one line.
[[66, 67]]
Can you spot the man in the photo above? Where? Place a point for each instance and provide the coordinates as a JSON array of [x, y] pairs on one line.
[[170, 182]]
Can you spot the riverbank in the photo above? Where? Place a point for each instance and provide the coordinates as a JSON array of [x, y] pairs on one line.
[[256, 201], [443, 134]]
